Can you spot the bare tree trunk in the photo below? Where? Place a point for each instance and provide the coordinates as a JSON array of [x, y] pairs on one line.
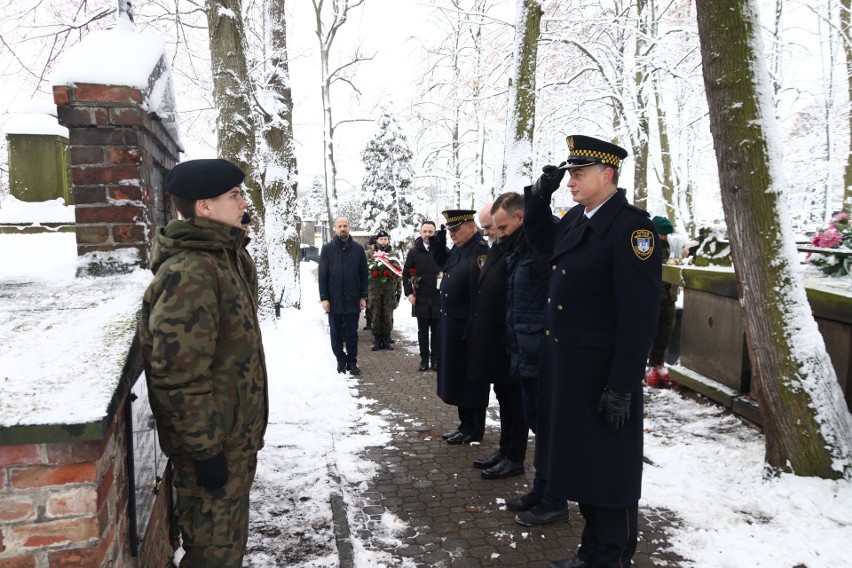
[[641, 135], [846, 27], [235, 122], [326, 34], [520, 126], [807, 425], [283, 228], [668, 181]]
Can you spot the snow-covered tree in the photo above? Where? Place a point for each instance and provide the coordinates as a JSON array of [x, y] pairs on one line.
[[808, 426], [387, 185], [520, 126]]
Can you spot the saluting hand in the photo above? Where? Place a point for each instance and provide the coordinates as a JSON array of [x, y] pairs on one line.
[[548, 182], [615, 406], [439, 239]]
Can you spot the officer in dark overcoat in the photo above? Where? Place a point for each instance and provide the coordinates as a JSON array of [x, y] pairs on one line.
[[601, 316], [460, 267]]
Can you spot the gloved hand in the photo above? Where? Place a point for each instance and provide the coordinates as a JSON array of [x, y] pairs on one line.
[[615, 406], [212, 473], [439, 239], [548, 182]]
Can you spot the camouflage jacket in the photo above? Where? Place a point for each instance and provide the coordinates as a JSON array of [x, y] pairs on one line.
[[201, 342]]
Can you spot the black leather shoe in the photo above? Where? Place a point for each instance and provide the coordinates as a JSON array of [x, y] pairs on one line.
[[377, 344], [575, 562], [341, 367], [386, 342], [542, 514], [460, 438], [449, 434], [485, 463], [434, 365], [424, 364], [353, 369], [524, 502], [503, 470]]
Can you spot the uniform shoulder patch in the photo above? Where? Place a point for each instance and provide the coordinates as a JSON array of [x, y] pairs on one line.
[[480, 260], [642, 241]]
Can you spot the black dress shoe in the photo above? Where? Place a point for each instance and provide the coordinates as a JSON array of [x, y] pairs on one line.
[[485, 463], [353, 369], [341, 367], [449, 434], [424, 364], [434, 365], [377, 344], [503, 470], [460, 438], [524, 502], [542, 514], [575, 562]]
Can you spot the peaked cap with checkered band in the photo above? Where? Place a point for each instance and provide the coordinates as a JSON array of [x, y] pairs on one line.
[[586, 151]]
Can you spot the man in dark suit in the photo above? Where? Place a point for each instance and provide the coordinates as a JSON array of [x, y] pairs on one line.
[[600, 320], [461, 267], [343, 287], [488, 355]]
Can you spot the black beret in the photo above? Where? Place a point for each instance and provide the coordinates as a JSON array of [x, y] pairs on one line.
[[381, 234], [203, 179]]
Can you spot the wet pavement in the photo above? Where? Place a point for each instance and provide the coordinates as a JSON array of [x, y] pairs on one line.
[[454, 517]]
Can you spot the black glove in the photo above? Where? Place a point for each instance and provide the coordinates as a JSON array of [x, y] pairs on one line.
[[548, 182], [439, 239], [615, 407], [212, 473]]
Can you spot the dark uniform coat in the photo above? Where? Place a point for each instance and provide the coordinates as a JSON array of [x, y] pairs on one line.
[[428, 304], [489, 354], [526, 292], [600, 319], [461, 271], [342, 275]]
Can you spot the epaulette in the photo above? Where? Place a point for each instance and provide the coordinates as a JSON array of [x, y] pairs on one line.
[[483, 243], [637, 210]]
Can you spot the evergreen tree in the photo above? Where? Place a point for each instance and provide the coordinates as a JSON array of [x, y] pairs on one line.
[[387, 185]]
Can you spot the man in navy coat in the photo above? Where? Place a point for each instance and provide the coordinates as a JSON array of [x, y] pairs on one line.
[[600, 320], [460, 267], [343, 287]]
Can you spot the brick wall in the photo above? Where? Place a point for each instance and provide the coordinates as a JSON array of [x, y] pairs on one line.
[[66, 504], [118, 156]]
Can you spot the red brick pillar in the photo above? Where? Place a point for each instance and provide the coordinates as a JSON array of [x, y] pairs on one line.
[[118, 155]]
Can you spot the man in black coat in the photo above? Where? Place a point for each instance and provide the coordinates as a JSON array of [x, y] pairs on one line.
[[420, 283], [488, 356], [600, 320], [343, 286], [526, 298], [461, 267]]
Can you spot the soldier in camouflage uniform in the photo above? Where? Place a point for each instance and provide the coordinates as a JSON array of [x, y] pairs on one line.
[[657, 374], [204, 360], [385, 290]]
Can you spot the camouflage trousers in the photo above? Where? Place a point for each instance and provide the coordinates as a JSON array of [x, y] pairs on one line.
[[665, 326], [381, 311], [214, 530]]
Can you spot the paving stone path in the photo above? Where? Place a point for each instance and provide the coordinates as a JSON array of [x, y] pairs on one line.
[[456, 518]]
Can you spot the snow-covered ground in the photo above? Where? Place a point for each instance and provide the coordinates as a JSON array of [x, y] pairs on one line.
[[706, 465]]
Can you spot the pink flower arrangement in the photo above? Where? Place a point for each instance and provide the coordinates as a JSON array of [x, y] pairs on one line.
[[837, 235]]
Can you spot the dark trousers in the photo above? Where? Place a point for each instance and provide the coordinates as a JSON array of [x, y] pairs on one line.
[[513, 426], [344, 327], [665, 326], [610, 535], [472, 421], [427, 337], [529, 393]]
